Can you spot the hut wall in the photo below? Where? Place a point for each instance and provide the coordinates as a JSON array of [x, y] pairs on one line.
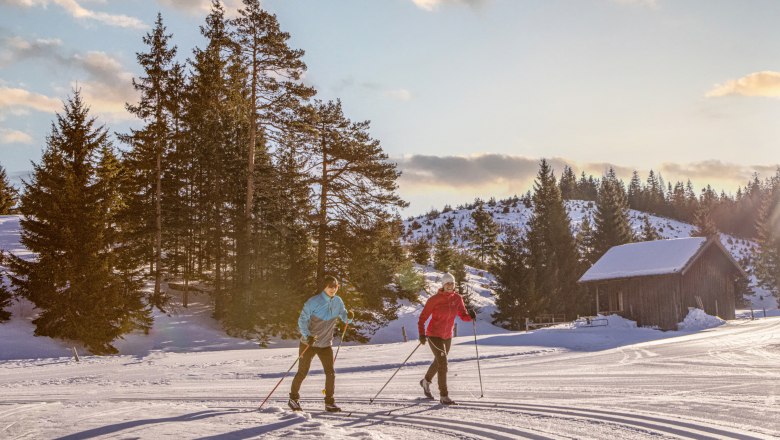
[[711, 277], [650, 301]]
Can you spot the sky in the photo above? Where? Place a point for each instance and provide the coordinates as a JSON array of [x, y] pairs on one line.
[[466, 96]]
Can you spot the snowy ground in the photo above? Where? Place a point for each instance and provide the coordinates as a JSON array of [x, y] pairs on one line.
[[566, 382], [187, 379]]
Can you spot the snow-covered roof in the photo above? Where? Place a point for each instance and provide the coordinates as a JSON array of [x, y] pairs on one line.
[[658, 257]]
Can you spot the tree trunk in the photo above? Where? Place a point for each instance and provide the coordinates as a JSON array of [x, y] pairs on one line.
[[321, 245], [158, 229]]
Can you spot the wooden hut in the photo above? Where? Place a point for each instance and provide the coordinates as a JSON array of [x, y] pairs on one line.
[[655, 282]]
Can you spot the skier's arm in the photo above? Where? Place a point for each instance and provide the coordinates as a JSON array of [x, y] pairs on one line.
[[303, 320], [426, 312], [462, 312], [343, 313]]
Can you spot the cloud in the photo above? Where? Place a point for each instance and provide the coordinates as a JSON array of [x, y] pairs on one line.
[[765, 83], [507, 174], [15, 98], [431, 5], [79, 12], [399, 95], [8, 136], [104, 83], [202, 7], [484, 170]]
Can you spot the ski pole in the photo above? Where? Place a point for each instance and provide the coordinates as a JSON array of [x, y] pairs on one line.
[[396, 372], [482, 393], [285, 375], [344, 333]]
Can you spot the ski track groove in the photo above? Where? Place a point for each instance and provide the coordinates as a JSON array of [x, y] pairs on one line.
[[448, 429], [680, 428], [494, 432]]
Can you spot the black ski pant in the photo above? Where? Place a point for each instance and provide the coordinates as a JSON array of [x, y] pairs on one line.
[[440, 348], [326, 357]]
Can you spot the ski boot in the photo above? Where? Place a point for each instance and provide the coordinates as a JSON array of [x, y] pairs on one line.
[[294, 404], [426, 386], [332, 407], [445, 400]]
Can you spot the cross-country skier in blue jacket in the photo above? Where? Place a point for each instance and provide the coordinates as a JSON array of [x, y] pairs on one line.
[[316, 323]]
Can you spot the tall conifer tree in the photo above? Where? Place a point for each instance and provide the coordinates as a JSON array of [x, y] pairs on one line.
[[552, 253], [150, 145], [611, 218], [77, 282]]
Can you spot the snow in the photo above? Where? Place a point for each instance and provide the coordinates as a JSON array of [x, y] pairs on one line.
[[645, 258], [698, 320], [187, 379]]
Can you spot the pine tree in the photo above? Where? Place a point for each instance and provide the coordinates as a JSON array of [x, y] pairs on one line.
[[767, 257], [409, 281], [648, 232], [703, 224], [459, 272], [586, 243], [552, 253], [635, 196], [273, 74], [421, 251], [611, 217], [568, 184], [443, 254], [514, 280], [484, 234], [354, 183], [76, 282], [150, 145], [8, 194]]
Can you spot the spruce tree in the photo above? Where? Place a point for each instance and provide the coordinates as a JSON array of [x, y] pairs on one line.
[[568, 184], [484, 235], [150, 145], [703, 224], [514, 279], [459, 272], [586, 242], [8, 194], [648, 232], [612, 227], [635, 195], [76, 282], [421, 251], [552, 253], [767, 254], [443, 254]]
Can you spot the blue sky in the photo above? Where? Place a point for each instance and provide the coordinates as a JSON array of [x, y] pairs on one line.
[[466, 95]]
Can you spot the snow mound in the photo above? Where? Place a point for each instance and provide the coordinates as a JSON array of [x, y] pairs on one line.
[[609, 321], [698, 320]]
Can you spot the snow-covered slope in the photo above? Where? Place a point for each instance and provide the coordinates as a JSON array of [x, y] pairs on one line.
[[518, 216]]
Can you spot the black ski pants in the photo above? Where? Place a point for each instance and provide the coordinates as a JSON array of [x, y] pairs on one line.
[[326, 357], [440, 348]]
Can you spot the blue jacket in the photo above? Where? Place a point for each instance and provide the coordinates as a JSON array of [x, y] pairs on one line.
[[318, 318]]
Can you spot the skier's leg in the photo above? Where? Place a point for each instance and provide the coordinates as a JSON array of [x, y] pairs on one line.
[[326, 357], [442, 347], [434, 367], [303, 369]]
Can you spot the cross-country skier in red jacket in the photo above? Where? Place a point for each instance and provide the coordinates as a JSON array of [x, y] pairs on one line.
[[442, 308]]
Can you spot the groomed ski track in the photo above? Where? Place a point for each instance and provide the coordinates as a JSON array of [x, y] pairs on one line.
[[713, 384]]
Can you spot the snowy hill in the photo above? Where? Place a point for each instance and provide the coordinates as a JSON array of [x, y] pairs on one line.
[[518, 216]]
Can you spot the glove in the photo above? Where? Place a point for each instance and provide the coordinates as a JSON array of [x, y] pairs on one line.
[[423, 339], [473, 314], [310, 340]]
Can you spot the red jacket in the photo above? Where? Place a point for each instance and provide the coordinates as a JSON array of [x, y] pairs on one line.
[[442, 308]]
